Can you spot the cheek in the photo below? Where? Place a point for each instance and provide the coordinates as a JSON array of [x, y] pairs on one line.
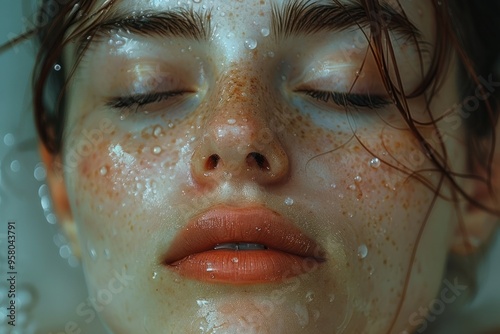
[[122, 175]]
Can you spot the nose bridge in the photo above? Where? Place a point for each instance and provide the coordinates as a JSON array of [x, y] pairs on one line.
[[237, 138], [239, 117], [240, 93]]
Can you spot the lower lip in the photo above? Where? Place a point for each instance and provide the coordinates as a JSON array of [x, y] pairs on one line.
[[243, 267]]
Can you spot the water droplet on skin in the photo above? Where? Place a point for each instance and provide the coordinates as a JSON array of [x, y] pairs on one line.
[[315, 315], [264, 32], [250, 44], [309, 296], [352, 187], [234, 260], [107, 254], [375, 163], [157, 150], [103, 171], [57, 67], [171, 125], [341, 196], [231, 121], [154, 275], [201, 302], [196, 1], [332, 298], [333, 185], [289, 201], [358, 179], [302, 314], [92, 252], [212, 276], [157, 132], [270, 54], [362, 251]]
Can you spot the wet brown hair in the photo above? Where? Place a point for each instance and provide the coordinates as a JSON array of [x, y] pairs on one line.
[[465, 29]]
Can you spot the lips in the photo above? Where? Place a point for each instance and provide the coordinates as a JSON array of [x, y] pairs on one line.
[[242, 246]]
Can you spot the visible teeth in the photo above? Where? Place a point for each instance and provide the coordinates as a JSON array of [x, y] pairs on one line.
[[240, 246]]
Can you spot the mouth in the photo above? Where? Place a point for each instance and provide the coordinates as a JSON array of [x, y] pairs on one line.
[[242, 246]]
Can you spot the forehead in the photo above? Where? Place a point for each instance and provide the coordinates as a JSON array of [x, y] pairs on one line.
[[246, 16], [251, 21]]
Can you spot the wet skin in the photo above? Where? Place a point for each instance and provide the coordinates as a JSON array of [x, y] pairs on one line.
[[136, 174]]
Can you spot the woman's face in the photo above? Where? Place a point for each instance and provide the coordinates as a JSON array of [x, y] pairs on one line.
[[238, 167]]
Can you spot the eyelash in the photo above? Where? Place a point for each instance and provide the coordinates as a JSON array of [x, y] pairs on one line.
[[341, 99], [139, 100], [349, 100]]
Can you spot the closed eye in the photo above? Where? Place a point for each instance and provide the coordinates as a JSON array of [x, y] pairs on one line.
[[136, 101], [349, 99]]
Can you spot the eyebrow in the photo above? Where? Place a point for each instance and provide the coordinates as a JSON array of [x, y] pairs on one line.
[[307, 17], [179, 22], [294, 18]]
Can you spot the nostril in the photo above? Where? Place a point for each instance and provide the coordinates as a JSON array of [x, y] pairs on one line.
[[212, 162], [257, 158]]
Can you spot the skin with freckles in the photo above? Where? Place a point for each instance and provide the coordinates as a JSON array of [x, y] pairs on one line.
[[136, 174]]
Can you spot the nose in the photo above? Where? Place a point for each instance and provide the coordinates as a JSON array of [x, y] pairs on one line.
[[239, 146]]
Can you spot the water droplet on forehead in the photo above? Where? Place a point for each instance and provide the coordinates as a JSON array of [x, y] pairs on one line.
[[375, 163], [289, 201], [362, 251], [157, 150], [231, 121], [155, 274], [250, 43], [358, 179], [310, 296], [264, 32]]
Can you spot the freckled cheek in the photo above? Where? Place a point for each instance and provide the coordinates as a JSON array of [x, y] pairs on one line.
[[119, 168]]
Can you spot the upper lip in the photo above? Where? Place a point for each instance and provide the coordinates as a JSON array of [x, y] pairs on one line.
[[257, 225]]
